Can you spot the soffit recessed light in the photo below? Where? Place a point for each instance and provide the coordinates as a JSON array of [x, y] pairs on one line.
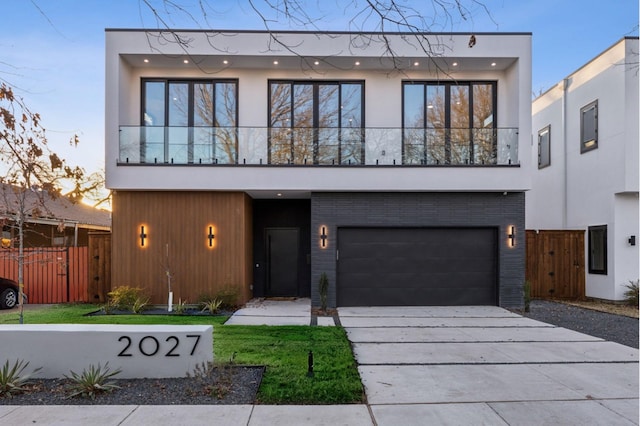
[[275, 62], [279, 194], [225, 62], [493, 64], [357, 63], [316, 63], [455, 64], [145, 60], [416, 63], [186, 61]]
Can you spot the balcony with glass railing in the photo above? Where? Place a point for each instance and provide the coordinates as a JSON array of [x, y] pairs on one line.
[[149, 145]]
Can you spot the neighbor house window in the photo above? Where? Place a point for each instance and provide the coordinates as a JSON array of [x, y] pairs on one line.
[[589, 127], [449, 123], [544, 147], [189, 121], [317, 122], [598, 249]]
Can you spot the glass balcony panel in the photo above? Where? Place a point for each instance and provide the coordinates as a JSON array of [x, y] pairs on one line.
[[318, 146], [351, 147]]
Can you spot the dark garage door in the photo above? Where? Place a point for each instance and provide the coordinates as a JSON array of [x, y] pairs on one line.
[[416, 266]]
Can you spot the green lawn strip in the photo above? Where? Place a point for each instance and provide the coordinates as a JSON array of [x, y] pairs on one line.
[[75, 314], [284, 351]]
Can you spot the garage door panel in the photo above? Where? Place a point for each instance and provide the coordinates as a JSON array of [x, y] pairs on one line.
[[416, 266]]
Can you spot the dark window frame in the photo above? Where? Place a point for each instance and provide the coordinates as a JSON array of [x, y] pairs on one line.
[[588, 143], [316, 113], [542, 146], [597, 237], [447, 125], [190, 113]]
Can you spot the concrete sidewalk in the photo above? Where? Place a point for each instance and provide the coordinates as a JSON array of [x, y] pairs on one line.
[[426, 365]]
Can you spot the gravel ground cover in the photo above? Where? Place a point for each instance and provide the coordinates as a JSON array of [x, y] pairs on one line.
[[226, 385], [611, 327]]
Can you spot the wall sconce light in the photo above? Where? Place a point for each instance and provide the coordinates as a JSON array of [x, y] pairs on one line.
[[143, 236], [632, 240], [324, 238], [512, 236], [211, 236]]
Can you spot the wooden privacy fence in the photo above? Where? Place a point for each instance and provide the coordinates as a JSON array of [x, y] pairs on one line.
[[555, 264], [51, 275]]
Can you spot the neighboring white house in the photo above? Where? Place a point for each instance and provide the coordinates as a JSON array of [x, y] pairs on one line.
[[585, 141], [251, 163]]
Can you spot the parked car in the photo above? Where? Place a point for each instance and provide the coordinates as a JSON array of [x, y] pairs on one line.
[[9, 293]]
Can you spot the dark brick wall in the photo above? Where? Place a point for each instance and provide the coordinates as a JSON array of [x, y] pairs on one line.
[[495, 209]]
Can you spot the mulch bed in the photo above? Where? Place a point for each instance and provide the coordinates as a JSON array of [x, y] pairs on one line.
[[225, 385]]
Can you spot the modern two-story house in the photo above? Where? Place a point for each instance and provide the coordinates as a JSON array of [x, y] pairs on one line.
[[585, 133], [254, 162]]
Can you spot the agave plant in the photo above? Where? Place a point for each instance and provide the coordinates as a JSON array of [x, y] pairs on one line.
[[92, 381], [12, 379]]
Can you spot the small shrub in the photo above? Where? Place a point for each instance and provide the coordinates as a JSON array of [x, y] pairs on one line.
[[108, 308], [527, 296], [124, 297], [229, 298], [91, 382], [140, 304], [12, 378], [631, 294], [213, 306], [324, 290], [215, 385], [180, 307]]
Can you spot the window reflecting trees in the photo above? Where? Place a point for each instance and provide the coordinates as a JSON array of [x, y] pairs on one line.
[[449, 123], [189, 121], [316, 122]]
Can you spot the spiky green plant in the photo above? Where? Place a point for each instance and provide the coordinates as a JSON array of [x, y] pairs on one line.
[[12, 378], [92, 381], [213, 306], [632, 293], [140, 304]]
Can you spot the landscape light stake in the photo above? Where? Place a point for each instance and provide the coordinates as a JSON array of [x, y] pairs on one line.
[[310, 360]]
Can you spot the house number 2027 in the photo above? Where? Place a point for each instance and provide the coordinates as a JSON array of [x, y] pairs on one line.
[[151, 346]]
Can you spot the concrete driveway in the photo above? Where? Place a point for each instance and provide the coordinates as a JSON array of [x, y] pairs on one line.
[[487, 365]]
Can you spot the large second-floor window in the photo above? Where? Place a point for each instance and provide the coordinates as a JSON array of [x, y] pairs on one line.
[[189, 121], [449, 122], [319, 122]]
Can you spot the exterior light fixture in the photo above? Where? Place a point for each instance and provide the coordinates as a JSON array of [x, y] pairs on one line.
[[512, 236], [324, 238], [225, 62], [357, 63], [146, 61], [186, 61], [275, 62], [316, 63], [493, 64], [211, 236], [632, 240], [143, 236], [455, 64], [415, 64]]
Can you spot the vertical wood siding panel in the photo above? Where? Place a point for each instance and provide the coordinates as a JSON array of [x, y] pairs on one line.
[[179, 219]]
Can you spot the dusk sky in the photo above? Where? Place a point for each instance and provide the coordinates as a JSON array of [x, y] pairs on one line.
[[52, 52]]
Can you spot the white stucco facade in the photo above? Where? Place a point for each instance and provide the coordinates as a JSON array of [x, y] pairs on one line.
[[598, 187], [504, 58]]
